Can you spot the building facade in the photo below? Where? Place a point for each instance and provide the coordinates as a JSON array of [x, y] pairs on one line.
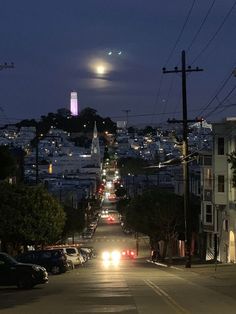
[[224, 198]]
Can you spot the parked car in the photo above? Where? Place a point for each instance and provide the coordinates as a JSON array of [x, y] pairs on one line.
[[55, 260], [24, 276], [73, 255], [84, 254], [89, 251], [88, 234]]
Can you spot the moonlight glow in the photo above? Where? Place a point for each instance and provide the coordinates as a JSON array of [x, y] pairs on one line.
[[100, 69], [100, 66]]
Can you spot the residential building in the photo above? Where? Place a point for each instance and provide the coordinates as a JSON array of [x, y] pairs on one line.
[[224, 198]]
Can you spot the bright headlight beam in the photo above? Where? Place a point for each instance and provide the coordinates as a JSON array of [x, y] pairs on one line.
[[105, 256]]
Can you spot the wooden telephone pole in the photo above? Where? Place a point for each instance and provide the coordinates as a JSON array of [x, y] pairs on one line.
[[187, 209]]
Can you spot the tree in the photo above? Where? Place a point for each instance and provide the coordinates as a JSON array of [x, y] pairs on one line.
[[131, 130], [29, 215], [158, 214], [8, 165], [232, 160], [149, 130], [88, 112], [64, 112], [131, 165], [120, 191], [75, 220], [106, 155]]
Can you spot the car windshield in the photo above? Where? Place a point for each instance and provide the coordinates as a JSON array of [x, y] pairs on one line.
[[70, 251], [8, 259]]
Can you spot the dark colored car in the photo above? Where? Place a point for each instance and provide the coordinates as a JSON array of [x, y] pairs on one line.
[[24, 276], [54, 261]]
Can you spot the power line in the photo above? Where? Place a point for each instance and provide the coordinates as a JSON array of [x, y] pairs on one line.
[[215, 34], [225, 98], [204, 108], [201, 25], [151, 114], [113, 117], [181, 32]]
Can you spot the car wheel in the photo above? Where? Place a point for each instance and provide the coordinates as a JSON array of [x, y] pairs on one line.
[[71, 265], [25, 283], [55, 270]]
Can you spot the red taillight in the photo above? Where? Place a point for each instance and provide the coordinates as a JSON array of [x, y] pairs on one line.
[[123, 253], [132, 253]]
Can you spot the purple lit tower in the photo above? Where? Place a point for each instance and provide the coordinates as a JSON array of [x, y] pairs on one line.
[[74, 107]]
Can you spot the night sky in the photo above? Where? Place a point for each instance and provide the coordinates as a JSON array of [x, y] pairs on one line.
[[58, 46]]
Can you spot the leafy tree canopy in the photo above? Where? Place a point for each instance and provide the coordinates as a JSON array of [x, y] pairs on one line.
[[149, 130], [8, 165], [29, 215], [133, 166], [232, 161], [156, 213], [120, 191], [83, 123], [159, 214], [75, 221]]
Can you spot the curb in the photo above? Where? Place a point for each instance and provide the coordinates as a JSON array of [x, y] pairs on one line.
[[163, 265]]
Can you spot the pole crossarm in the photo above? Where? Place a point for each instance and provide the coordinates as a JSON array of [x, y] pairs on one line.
[[181, 121], [176, 70]]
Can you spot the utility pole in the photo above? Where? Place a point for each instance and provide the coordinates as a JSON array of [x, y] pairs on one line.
[[187, 209]]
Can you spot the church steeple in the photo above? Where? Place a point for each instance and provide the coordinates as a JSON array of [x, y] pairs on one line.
[[95, 149], [95, 131]]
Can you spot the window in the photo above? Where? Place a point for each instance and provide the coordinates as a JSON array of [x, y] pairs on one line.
[[201, 160], [207, 160], [221, 148], [221, 183], [70, 251], [209, 214], [207, 195], [207, 178]]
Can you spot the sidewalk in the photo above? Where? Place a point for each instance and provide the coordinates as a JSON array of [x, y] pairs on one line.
[[218, 271]]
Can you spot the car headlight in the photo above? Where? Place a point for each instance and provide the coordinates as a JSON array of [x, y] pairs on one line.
[[115, 255], [105, 256], [36, 268]]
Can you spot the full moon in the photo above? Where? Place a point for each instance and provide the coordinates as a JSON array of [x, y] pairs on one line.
[[100, 69]]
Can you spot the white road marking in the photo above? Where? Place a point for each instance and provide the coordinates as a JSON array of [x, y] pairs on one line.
[[166, 297]]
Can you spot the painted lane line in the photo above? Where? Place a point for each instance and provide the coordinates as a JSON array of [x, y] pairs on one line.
[[167, 298]]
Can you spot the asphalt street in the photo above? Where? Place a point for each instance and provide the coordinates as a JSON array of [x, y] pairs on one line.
[[131, 286]]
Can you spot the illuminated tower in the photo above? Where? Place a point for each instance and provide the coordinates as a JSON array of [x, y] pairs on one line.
[[74, 107]]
